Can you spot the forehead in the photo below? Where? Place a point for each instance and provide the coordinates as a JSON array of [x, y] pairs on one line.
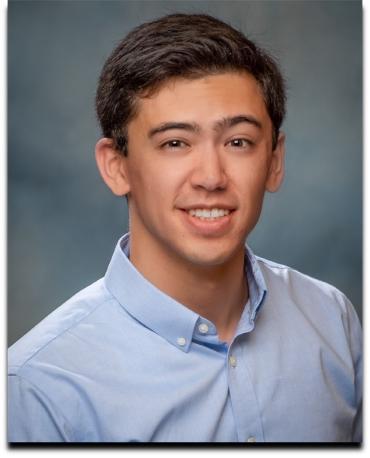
[[203, 99]]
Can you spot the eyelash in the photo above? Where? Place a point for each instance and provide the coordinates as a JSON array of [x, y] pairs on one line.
[[246, 142], [181, 143], [167, 144]]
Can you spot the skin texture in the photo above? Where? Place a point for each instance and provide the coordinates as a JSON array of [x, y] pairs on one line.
[[218, 155]]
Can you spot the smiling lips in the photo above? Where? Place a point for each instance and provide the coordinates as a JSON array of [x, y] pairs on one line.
[[210, 221], [208, 214]]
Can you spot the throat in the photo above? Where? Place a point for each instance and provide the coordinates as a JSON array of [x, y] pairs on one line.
[[216, 292], [220, 304]]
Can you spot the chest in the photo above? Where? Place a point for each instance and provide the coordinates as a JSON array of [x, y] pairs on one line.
[[273, 392]]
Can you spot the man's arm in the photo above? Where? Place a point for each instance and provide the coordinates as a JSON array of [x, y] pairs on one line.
[[32, 417], [354, 335]]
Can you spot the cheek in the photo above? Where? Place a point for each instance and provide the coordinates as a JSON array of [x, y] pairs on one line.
[[155, 182], [250, 179]]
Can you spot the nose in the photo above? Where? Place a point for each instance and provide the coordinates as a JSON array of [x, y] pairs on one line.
[[208, 172]]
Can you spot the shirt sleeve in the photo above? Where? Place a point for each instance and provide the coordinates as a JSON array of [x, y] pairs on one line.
[[357, 427], [354, 335], [32, 417]]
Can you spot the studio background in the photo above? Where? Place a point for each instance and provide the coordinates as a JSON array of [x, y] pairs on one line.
[[63, 223]]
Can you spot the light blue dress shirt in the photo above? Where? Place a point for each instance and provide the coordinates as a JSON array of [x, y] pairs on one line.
[[121, 361]]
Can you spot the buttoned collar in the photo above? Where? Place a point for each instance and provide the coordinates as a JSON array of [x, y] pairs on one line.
[[163, 314]]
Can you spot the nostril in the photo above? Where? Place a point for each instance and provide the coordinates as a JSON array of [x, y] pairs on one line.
[[208, 172], [210, 182]]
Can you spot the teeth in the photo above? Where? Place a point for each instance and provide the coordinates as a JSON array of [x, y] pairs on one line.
[[203, 213]]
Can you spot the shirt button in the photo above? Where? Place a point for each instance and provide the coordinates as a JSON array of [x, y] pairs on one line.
[[251, 439], [203, 328], [181, 341], [232, 361]]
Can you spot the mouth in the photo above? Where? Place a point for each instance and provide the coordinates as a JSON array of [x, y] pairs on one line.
[[210, 222], [206, 214]]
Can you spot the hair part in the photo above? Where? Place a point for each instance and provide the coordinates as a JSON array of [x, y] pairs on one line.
[[180, 46]]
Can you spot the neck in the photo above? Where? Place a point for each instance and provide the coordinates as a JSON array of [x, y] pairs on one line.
[[218, 293]]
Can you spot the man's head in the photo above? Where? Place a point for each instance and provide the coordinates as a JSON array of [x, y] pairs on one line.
[[191, 112], [186, 46]]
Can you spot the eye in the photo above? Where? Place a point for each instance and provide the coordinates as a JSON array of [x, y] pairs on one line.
[[174, 144], [239, 143]]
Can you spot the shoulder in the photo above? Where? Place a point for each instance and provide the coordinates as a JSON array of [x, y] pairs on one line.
[[298, 285], [56, 325], [309, 303], [299, 294]]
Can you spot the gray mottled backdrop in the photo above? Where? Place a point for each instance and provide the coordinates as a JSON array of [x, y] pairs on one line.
[[63, 223]]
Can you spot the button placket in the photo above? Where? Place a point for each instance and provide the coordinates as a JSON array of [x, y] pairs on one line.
[[242, 395], [233, 361]]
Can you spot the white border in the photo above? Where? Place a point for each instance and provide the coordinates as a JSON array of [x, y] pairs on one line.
[[193, 452]]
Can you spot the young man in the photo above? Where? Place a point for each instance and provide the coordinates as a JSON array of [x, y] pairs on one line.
[[190, 337]]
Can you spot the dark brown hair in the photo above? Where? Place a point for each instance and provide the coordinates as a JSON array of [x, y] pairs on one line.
[[179, 45]]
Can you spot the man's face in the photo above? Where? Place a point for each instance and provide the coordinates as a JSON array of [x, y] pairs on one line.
[[199, 160]]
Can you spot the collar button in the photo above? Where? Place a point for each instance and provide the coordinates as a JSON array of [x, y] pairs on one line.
[[203, 328], [181, 341]]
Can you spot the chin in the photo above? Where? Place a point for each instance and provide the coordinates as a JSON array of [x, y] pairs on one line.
[[209, 257]]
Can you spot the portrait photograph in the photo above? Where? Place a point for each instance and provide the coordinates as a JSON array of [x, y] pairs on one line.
[[184, 221]]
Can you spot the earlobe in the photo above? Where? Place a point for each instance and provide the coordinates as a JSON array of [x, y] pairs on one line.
[[276, 171], [112, 166]]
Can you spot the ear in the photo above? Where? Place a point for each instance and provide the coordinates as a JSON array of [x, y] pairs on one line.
[[276, 172], [112, 166]]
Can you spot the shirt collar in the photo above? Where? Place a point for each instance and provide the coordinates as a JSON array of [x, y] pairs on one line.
[[256, 283], [158, 311]]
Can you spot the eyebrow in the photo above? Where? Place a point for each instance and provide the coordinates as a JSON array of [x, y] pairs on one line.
[[191, 127], [232, 121], [224, 123]]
